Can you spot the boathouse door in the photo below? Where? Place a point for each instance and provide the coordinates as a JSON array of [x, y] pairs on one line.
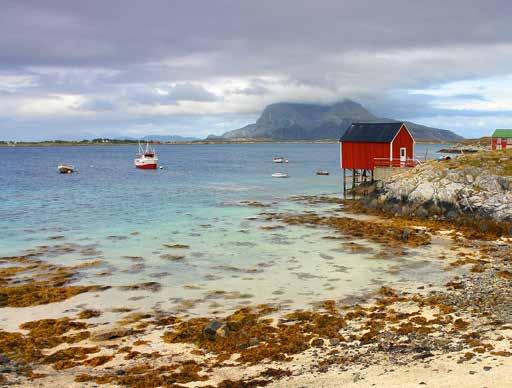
[[403, 155]]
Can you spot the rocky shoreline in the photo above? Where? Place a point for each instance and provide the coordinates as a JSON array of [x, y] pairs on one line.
[[475, 188], [403, 335]]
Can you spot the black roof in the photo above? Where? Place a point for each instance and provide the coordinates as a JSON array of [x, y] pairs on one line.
[[372, 132]]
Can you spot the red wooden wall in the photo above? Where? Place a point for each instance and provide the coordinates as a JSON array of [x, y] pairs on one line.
[[355, 155], [403, 139], [495, 143]]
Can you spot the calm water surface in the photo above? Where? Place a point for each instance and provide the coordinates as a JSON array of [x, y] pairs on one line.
[[124, 216]]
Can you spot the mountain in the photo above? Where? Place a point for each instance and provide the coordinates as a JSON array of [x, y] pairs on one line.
[[161, 138], [293, 121], [164, 138]]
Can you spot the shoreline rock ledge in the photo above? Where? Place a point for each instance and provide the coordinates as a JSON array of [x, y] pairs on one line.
[[465, 187]]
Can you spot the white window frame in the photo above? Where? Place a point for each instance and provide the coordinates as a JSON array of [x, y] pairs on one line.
[[404, 156]]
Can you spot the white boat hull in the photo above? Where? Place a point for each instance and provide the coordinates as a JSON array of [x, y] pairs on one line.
[[146, 163]]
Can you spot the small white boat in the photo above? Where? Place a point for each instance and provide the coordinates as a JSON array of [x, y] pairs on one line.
[[280, 175], [65, 168], [279, 159], [146, 158], [322, 172]]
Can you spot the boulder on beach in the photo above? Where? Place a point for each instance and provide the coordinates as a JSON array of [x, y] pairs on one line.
[[215, 329]]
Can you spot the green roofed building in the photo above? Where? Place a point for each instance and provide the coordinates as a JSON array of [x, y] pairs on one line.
[[501, 139]]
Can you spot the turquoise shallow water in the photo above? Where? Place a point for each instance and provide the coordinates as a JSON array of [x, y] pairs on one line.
[[110, 210]]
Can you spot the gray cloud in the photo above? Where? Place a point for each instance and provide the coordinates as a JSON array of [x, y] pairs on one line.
[[190, 92], [161, 61], [98, 105], [59, 32]]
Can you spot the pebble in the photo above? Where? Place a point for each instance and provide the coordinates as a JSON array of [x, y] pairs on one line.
[[4, 359], [423, 355], [317, 342], [334, 341], [215, 329], [109, 334]]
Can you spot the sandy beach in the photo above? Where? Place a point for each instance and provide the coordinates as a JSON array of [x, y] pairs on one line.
[[420, 334]]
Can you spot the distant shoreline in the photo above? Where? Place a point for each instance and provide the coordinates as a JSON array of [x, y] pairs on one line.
[[195, 142]]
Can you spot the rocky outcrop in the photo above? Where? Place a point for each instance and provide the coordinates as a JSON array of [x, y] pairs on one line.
[[442, 190]]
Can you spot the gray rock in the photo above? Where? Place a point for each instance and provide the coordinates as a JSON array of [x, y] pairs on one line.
[[374, 204], [406, 233], [215, 329], [110, 334], [334, 341], [317, 342], [451, 215], [504, 182], [423, 355], [421, 212], [222, 332], [4, 359], [435, 209]]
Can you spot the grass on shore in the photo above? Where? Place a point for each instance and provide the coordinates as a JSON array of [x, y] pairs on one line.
[[496, 162]]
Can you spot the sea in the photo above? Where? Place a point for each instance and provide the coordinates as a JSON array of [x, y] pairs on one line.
[[130, 220]]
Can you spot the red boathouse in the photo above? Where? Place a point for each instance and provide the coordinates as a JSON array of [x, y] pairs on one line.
[[366, 146]]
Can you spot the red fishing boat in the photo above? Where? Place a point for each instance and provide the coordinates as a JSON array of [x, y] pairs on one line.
[[146, 158]]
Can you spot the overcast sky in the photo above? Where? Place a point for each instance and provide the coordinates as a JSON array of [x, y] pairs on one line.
[[75, 69]]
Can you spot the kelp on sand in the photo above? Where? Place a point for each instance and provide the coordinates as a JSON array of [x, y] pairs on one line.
[[25, 281]]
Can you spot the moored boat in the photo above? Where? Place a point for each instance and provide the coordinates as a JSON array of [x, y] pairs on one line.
[[65, 168], [146, 158], [280, 175], [279, 159], [322, 172]]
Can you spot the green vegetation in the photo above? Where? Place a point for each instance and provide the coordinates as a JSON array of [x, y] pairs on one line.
[[98, 141], [497, 162]]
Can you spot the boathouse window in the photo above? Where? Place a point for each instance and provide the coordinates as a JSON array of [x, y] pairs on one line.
[[402, 153]]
